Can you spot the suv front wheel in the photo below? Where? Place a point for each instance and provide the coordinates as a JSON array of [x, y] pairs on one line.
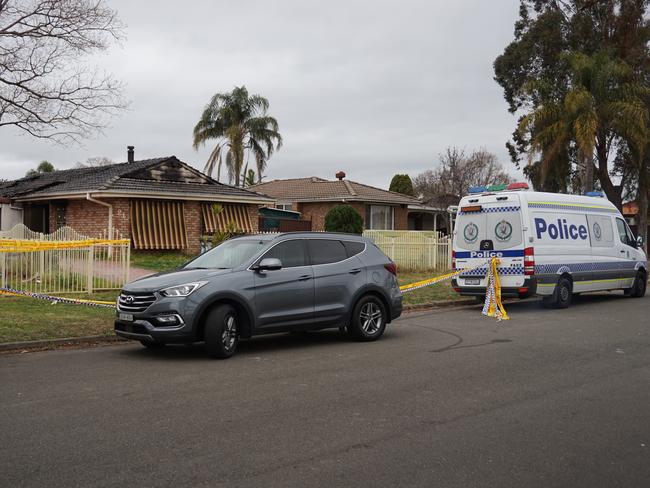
[[221, 332], [368, 319]]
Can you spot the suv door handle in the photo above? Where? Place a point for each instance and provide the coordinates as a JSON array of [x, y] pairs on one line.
[[304, 277], [622, 251], [355, 271]]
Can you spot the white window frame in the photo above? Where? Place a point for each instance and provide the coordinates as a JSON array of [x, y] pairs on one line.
[[284, 205], [369, 224]]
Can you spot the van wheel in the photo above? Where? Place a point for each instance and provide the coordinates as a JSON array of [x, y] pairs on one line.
[[221, 332], [561, 297], [368, 319], [638, 287]]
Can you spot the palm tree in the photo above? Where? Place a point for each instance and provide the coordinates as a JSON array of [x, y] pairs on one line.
[[240, 125], [603, 106]]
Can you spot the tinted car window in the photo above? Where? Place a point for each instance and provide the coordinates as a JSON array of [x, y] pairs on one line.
[[324, 251], [353, 248], [291, 253]]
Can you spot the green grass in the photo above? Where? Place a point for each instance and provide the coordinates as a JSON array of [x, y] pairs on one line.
[[428, 294], [158, 261], [27, 319]]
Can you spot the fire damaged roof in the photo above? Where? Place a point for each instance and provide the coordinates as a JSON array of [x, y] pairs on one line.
[[157, 176]]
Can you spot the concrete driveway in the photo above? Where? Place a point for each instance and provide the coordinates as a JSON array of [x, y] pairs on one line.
[[445, 399]]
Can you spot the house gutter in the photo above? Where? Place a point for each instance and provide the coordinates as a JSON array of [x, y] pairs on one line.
[[110, 213]]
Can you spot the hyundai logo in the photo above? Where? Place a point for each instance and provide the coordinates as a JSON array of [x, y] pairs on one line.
[[128, 299]]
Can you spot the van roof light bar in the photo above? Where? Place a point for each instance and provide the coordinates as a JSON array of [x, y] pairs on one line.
[[599, 194], [497, 187], [518, 186], [477, 189]]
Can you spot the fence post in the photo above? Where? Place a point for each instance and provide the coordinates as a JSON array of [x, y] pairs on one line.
[[91, 265], [3, 269]]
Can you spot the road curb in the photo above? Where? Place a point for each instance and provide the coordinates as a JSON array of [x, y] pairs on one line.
[[50, 343]]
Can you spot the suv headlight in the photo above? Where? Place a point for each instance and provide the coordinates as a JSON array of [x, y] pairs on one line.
[[182, 290]]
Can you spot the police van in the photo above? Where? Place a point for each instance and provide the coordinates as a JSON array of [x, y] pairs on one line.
[[548, 244]]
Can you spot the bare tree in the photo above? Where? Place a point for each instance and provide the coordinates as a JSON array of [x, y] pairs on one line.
[[46, 89], [95, 162], [447, 183]]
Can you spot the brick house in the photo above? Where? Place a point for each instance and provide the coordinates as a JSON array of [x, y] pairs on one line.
[[159, 203], [313, 197]]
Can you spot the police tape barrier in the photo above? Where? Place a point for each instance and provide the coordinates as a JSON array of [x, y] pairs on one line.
[[16, 245], [55, 300], [492, 307]]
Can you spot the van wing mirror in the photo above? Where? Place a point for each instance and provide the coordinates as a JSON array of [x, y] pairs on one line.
[[639, 241], [269, 264]]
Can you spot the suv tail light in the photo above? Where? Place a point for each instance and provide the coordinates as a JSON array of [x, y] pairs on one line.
[[453, 260], [391, 268], [529, 261]]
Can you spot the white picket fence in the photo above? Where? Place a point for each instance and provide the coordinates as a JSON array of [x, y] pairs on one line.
[[414, 250], [82, 268]]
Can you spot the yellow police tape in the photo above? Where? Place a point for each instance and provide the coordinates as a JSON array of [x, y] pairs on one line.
[[492, 307], [18, 245]]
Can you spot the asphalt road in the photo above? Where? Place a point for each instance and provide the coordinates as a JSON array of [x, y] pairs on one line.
[[445, 399]]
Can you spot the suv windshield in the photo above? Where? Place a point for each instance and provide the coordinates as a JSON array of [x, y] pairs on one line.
[[228, 254]]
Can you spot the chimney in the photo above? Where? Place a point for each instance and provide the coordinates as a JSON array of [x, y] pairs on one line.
[[340, 175], [130, 157]]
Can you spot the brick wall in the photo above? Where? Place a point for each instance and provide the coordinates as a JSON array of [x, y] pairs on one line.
[[193, 227]]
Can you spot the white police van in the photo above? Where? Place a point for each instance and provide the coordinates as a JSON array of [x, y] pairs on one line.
[[549, 244]]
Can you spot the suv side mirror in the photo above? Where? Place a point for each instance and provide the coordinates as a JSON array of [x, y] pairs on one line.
[[639, 241], [269, 264]]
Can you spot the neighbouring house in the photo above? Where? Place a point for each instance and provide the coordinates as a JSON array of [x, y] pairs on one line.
[[313, 197], [630, 213], [159, 203]]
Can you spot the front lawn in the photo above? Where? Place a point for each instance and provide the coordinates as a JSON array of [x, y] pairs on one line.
[[428, 294], [27, 319], [158, 261]]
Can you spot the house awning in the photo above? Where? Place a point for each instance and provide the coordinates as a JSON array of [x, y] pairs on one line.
[[217, 217], [158, 224]]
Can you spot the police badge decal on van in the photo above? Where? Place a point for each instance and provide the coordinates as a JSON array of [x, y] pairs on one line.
[[470, 232], [503, 231]]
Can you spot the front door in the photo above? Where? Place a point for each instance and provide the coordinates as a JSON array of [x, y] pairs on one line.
[[627, 253], [285, 297]]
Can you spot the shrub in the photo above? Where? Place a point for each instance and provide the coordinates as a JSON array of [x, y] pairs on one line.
[[343, 218]]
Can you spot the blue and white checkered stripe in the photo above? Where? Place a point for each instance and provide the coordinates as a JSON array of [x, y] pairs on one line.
[[494, 210], [503, 271], [585, 267]]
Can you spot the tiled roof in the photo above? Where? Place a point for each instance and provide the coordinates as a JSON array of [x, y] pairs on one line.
[[117, 178], [317, 189]]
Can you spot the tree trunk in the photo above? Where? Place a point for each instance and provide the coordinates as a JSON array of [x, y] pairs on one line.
[[614, 192], [589, 174], [642, 229]]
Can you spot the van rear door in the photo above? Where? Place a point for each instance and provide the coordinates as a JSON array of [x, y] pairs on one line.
[[487, 226]]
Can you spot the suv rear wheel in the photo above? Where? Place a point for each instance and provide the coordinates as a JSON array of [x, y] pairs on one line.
[[221, 332], [368, 319]]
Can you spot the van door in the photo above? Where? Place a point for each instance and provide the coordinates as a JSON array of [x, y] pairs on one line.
[[492, 227], [627, 253], [604, 252]]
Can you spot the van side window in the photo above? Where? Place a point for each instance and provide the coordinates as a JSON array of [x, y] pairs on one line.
[[326, 251], [624, 233], [291, 253], [353, 248], [600, 231]]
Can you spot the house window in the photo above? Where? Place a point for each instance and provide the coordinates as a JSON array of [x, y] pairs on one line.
[[380, 217], [284, 206]]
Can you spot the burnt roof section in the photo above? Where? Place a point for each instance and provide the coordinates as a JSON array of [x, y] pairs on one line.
[[314, 189], [157, 175]]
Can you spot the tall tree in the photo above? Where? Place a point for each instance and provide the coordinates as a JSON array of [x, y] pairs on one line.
[[536, 71], [401, 183], [240, 124], [43, 167], [47, 89], [603, 107]]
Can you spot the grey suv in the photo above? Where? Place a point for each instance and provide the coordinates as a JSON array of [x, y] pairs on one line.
[[263, 284]]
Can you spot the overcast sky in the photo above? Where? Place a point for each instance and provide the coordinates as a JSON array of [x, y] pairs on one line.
[[369, 87]]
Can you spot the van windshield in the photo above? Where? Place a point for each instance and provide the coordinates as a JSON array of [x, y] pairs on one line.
[[503, 228]]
